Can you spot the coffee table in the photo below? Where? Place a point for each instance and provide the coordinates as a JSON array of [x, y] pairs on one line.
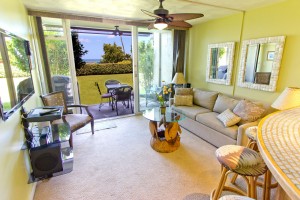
[[164, 129]]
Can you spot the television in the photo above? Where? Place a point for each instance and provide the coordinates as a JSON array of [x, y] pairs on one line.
[[16, 85]]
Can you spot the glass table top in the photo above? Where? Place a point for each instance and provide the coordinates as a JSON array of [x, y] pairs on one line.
[[154, 114]]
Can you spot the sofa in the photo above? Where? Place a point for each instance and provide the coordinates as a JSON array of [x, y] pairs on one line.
[[217, 118]]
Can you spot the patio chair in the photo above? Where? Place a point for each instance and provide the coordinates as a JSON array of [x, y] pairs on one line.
[[103, 96], [76, 121], [122, 94], [111, 82]]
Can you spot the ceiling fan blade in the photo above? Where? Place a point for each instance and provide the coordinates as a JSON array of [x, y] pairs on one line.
[[150, 14], [185, 16], [182, 24], [151, 26]]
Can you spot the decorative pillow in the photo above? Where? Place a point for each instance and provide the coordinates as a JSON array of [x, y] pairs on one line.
[[228, 118], [205, 99], [223, 102], [184, 91], [183, 100], [248, 111]]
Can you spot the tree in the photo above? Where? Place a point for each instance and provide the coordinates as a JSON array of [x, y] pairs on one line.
[[146, 63], [114, 54], [78, 50], [17, 52]]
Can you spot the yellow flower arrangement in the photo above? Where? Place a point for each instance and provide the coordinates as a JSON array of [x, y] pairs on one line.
[[167, 89]]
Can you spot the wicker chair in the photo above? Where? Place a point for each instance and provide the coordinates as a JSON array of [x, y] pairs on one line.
[[76, 121]]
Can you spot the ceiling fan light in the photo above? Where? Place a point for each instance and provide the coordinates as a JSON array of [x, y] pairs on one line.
[[160, 25]]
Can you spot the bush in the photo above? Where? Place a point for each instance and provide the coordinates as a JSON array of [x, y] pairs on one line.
[[123, 67]]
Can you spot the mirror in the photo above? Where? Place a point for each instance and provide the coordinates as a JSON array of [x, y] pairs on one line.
[[260, 63], [15, 74], [219, 63]]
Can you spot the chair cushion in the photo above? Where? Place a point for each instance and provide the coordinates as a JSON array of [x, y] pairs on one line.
[[190, 111], [205, 99], [235, 197], [224, 102], [248, 111], [210, 119], [184, 91], [183, 100], [251, 133], [76, 121], [241, 160], [228, 118]]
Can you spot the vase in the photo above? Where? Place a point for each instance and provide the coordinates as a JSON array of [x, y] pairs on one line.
[[163, 110]]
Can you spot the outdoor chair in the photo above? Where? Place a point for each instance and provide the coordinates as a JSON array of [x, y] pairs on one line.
[[111, 82], [122, 94], [75, 121], [103, 96]]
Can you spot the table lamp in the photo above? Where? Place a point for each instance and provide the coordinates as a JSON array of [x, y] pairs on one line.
[[289, 98], [179, 79]]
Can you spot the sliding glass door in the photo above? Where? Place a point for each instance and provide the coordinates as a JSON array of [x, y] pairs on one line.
[[154, 55]]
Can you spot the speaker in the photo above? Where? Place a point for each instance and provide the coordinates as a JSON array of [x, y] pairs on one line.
[[46, 160]]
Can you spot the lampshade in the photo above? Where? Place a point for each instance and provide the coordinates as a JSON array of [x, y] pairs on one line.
[[160, 24], [178, 78], [289, 98]]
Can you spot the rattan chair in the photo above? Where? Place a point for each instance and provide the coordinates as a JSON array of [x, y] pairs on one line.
[[76, 121]]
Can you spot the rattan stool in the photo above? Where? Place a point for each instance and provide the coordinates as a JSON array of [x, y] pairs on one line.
[[235, 197], [267, 185], [243, 161]]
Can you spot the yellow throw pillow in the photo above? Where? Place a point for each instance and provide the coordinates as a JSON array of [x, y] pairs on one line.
[[183, 100], [228, 118]]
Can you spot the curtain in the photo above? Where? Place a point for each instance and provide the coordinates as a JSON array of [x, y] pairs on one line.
[[179, 51]]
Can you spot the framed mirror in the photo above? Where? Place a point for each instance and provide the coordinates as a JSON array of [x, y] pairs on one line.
[[15, 73], [219, 63], [260, 63]]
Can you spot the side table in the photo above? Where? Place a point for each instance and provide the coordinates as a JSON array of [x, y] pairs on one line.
[[166, 139]]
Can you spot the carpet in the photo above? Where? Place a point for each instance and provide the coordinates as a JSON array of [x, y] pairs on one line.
[[119, 164], [101, 125]]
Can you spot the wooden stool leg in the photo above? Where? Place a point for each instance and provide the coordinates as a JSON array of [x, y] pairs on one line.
[[252, 187], [267, 185], [219, 189]]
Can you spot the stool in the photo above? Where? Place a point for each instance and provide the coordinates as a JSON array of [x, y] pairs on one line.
[[251, 133], [242, 161], [235, 197]]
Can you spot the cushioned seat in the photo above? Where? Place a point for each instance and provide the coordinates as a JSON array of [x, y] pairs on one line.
[[251, 133], [241, 160], [235, 197], [210, 120], [190, 111], [74, 120]]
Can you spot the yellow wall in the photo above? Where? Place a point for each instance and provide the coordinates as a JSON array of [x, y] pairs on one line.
[[227, 29], [14, 163], [275, 20]]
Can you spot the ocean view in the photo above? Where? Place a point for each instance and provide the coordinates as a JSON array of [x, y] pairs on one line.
[[91, 60]]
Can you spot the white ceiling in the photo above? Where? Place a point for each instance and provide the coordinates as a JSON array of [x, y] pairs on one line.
[[131, 9]]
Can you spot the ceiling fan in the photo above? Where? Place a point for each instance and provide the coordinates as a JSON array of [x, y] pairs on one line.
[[163, 19]]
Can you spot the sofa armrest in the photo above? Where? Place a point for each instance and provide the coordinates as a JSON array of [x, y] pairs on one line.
[[171, 102], [242, 138]]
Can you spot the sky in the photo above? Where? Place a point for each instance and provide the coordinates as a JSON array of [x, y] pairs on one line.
[[94, 44]]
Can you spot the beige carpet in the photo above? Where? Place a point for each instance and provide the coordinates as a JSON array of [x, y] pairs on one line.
[[119, 163], [98, 125]]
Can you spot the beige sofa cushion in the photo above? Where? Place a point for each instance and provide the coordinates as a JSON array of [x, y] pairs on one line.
[[228, 118], [184, 91], [183, 100], [224, 102], [248, 111], [205, 99], [190, 111], [210, 120]]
